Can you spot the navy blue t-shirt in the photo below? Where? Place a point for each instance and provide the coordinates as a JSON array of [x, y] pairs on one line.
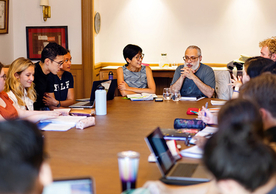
[[189, 88], [60, 86]]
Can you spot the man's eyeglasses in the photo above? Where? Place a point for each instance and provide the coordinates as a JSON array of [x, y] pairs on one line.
[[192, 58], [4, 76], [140, 57], [59, 63]]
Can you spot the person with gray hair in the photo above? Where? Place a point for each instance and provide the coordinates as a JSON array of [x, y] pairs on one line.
[[194, 78]]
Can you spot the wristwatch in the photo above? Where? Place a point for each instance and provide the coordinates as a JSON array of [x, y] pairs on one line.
[[58, 104]]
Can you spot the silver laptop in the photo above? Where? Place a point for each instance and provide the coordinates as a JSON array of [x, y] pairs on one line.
[[65, 186], [110, 86], [170, 169]]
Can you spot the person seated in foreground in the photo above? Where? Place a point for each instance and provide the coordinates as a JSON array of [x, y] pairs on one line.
[[252, 67], [262, 90], [23, 164], [234, 130], [194, 78], [60, 87], [19, 84], [52, 58], [9, 111], [268, 48], [134, 77]]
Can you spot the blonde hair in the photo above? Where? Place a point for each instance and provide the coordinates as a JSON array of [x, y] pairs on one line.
[[270, 43], [13, 84]]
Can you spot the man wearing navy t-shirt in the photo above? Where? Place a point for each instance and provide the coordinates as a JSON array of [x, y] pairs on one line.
[[194, 78]]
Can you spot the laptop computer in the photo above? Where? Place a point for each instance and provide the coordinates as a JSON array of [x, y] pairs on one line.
[[65, 186], [110, 86], [172, 171]]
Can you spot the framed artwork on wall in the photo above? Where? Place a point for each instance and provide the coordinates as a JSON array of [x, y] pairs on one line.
[[39, 36], [4, 16]]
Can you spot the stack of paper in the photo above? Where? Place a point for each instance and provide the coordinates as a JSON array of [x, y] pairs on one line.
[[61, 123], [192, 152], [141, 97], [207, 131], [186, 98], [216, 102]]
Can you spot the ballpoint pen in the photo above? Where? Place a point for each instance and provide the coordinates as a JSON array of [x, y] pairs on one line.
[[206, 106]]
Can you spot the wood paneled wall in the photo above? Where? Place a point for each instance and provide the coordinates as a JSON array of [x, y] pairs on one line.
[[77, 72]]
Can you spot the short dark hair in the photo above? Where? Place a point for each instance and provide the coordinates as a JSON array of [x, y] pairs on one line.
[[130, 51], [255, 65], [21, 156], [237, 153], [241, 110], [261, 90], [51, 51], [270, 68]]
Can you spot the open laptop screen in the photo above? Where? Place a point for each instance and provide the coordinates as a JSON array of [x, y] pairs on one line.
[[70, 186], [158, 146]]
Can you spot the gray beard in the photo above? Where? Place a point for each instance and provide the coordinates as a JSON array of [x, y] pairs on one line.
[[194, 67]]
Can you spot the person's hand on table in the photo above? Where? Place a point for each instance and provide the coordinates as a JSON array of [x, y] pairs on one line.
[[49, 115], [123, 86], [156, 187], [208, 118], [200, 141]]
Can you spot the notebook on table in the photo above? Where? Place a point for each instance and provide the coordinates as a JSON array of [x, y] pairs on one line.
[[174, 172], [65, 186], [110, 86]]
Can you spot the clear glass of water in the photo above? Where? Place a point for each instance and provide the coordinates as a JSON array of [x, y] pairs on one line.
[[167, 93], [176, 95]]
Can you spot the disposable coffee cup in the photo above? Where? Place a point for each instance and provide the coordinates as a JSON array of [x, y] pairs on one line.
[[128, 167]]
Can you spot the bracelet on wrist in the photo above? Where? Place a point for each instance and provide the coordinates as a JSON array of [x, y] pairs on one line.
[[236, 91]]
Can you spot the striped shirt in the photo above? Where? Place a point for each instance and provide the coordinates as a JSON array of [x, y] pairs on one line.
[[135, 79]]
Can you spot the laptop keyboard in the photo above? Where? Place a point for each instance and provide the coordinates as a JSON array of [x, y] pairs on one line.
[[184, 170]]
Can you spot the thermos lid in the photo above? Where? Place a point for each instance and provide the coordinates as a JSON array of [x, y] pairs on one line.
[[100, 87]]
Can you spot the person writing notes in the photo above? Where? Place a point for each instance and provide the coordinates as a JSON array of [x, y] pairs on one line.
[[133, 77], [194, 78], [60, 87]]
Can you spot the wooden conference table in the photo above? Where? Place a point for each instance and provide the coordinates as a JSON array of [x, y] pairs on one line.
[[93, 151]]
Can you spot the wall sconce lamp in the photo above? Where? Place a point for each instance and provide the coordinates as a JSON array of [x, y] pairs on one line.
[[46, 9]]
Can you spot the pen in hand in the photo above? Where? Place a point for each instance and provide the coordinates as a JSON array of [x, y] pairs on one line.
[[206, 106]]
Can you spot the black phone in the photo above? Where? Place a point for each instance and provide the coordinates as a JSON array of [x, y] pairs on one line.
[[158, 99]]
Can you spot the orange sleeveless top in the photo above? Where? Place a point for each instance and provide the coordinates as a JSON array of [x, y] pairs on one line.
[[9, 112]]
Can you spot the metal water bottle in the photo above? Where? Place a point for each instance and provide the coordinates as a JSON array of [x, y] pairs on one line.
[[110, 75], [100, 98]]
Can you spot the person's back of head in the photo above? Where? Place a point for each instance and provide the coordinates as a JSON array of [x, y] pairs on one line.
[[254, 65], [130, 51], [22, 158], [51, 51], [261, 90], [237, 156], [236, 111]]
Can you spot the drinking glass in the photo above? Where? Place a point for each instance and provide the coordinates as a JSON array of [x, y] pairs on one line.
[[167, 93], [176, 95], [128, 168]]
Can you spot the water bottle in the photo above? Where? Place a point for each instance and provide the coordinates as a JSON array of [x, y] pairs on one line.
[[100, 98], [110, 75], [163, 60]]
